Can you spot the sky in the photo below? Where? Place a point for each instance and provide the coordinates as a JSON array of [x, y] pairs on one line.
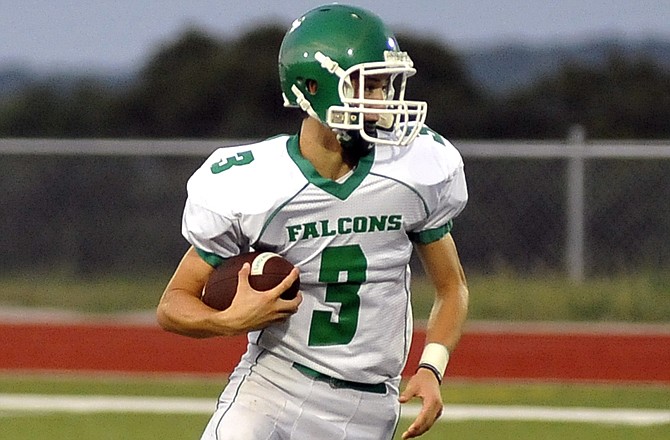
[[122, 34]]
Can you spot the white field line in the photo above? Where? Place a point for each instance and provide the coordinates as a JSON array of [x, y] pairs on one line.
[[180, 405]]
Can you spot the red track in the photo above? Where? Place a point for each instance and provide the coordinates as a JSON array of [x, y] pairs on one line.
[[486, 351]]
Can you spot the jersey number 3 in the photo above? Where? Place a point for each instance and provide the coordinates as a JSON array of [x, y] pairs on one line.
[[243, 158], [343, 269]]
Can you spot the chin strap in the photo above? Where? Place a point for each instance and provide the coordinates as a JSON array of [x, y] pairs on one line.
[[304, 103], [353, 142]]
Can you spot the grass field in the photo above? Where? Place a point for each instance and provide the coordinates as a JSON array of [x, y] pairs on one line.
[[639, 297], [626, 298], [62, 424]]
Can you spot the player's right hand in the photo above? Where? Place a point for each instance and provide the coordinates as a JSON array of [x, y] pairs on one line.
[[253, 309]]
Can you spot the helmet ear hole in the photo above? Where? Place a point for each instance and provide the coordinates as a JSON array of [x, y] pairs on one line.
[[312, 86]]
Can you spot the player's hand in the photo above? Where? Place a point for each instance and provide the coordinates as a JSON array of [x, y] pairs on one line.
[[253, 309], [423, 385]]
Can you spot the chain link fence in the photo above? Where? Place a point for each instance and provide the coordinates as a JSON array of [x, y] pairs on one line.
[[577, 207]]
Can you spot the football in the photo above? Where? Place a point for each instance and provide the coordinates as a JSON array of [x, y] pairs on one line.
[[267, 271]]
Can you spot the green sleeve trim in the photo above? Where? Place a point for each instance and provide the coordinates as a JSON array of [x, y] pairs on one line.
[[431, 235], [210, 258]]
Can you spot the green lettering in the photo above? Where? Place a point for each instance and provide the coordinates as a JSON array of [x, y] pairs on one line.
[[339, 328], [293, 232], [325, 229], [345, 225], [377, 223], [436, 137], [360, 224], [341, 228], [395, 222], [310, 231], [243, 158]]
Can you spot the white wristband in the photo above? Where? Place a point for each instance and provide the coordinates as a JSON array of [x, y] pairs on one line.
[[436, 356]]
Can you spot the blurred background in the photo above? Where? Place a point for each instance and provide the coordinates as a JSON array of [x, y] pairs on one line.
[[561, 110]]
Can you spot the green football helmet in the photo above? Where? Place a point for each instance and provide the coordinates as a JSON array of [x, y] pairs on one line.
[[332, 45]]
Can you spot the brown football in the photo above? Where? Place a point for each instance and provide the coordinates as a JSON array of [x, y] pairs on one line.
[[267, 271]]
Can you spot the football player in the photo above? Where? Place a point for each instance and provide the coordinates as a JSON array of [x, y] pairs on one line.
[[346, 200]]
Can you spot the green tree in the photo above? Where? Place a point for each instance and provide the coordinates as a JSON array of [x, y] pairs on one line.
[[256, 107], [622, 99], [182, 91], [204, 87], [49, 110], [35, 112], [457, 107]]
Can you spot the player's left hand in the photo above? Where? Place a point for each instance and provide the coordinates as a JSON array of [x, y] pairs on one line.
[[423, 385]]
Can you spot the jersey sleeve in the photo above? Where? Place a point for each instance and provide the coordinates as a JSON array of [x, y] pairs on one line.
[[209, 222], [446, 196], [233, 192], [214, 235]]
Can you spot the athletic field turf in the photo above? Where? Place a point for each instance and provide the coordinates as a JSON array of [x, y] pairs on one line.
[[99, 407]]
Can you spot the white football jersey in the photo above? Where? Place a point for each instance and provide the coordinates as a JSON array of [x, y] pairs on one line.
[[352, 240]]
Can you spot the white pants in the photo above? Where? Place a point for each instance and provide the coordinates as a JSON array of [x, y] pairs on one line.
[[269, 399]]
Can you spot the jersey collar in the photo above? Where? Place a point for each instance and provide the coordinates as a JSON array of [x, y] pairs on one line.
[[340, 190]]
